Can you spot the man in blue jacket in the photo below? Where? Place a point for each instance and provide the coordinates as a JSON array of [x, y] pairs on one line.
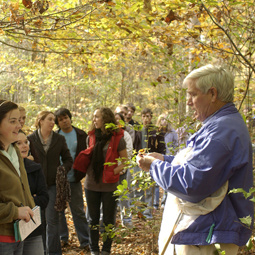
[[201, 215], [76, 142]]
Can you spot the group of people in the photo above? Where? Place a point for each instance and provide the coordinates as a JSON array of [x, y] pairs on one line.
[[46, 167]]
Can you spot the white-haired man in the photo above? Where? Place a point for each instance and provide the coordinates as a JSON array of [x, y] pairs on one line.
[[218, 159]]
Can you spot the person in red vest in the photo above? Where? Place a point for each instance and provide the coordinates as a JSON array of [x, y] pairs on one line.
[[102, 175]]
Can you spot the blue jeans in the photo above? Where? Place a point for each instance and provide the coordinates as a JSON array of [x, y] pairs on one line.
[[52, 229], [109, 203], [79, 219], [33, 245], [11, 248]]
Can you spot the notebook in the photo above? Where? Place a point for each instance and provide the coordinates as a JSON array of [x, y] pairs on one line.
[[23, 229]]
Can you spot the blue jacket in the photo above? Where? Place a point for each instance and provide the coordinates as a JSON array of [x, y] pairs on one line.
[[221, 151]]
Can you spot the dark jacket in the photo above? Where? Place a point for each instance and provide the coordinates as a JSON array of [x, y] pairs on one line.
[[155, 140], [38, 188], [81, 145], [51, 160], [134, 122], [81, 140]]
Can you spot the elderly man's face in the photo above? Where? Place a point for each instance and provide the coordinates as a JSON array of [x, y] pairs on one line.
[[199, 102]]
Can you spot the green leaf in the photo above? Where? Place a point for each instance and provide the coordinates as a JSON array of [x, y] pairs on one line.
[[246, 220]]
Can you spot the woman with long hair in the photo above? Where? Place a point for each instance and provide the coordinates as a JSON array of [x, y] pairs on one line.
[[102, 175], [14, 191], [52, 151]]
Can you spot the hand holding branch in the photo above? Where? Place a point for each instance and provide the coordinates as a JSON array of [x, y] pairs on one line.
[[144, 160]]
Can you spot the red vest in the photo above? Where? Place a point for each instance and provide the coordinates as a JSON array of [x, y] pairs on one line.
[[83, 160]]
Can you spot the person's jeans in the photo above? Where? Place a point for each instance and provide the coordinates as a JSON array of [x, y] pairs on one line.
[[109, 203], [11, 248], [125, 204], [52, 230], [79, 218], [33, 245]]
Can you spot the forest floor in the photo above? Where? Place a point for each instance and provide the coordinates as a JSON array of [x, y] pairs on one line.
[[141, 240]]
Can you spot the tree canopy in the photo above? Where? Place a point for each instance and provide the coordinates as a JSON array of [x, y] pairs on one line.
[[83, 54]]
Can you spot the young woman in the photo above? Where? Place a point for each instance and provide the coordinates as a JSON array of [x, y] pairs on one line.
[[33, 244], [50, 147], [14, 187], [103, 174]]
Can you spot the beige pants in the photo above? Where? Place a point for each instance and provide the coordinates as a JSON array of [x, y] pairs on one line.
[[230, 249]]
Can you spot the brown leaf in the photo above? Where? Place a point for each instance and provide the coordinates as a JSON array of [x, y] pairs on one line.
[[170, 17], [140, 216], [27, 3]]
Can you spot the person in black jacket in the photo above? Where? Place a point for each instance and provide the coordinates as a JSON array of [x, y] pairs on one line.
[[50, 148], [149, 139], [35, 242], [76, 142]]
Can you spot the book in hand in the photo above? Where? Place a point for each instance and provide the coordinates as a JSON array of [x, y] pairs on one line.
[[23, 229]]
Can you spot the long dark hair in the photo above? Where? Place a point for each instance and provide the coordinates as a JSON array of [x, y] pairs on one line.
[[108, 118], [5, 107]]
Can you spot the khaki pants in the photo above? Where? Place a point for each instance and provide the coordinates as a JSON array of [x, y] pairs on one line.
[[230, 249]]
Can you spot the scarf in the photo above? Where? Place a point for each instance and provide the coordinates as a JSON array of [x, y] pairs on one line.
[[98, 159], [12, 155]]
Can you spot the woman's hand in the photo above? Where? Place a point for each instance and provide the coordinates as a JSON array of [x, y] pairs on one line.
[[24, 213]]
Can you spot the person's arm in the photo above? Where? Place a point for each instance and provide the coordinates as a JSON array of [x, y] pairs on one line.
[[41, 195], [197, 176], [123, 156], [78, 175], [129, 144], [33, 152], [10, 212]]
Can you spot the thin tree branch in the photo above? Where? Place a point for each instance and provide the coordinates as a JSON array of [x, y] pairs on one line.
[[229, 37]]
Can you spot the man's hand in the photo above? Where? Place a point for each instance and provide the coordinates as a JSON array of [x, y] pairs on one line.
[[144, 161], [156, 155]]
